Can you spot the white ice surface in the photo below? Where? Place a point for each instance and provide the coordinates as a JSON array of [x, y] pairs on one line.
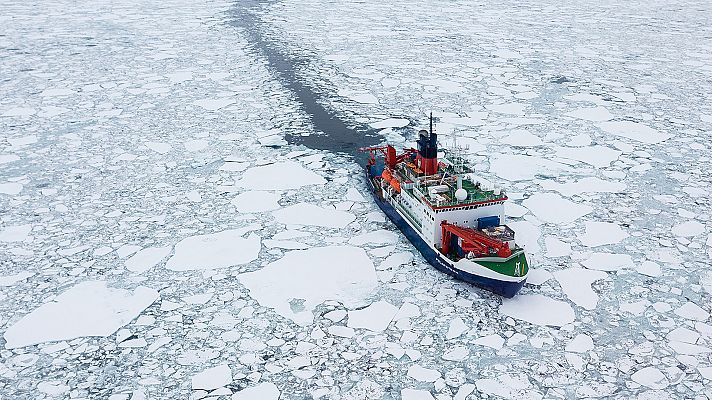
[[212, 378], [256, 201], [376, 317], [635, 131], [261, 391], [550, 207], [515, 167], [608, 261], [311, 214], [145, 259], [15, 233], [538, 309], [215, 250], [576, 284], [602, 233], [89, 308], [342, 273], [279, 176]]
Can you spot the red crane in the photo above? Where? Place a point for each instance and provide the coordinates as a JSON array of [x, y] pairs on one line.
[[473, 241], [389, 153]]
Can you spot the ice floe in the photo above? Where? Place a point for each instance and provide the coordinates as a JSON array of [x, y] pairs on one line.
[[376, 317], [147, 258], [602, 233], [89, 308], [215, 250], [279, 176], [576, 285], [550, 207], [212, 378], [635, 131], [257, 201], [302, 279], [311, 214], [538, 309]]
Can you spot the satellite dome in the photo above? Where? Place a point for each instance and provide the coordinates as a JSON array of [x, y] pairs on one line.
[[461, 194]]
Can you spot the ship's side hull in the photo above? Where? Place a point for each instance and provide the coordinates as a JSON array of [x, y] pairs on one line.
[[505, 288]]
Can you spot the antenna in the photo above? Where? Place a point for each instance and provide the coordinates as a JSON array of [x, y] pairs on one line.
[[431, 122]]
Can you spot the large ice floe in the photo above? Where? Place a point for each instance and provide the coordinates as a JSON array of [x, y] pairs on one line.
[[164, 235]]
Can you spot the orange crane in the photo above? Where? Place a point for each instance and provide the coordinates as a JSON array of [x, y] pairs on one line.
[[473, 241]]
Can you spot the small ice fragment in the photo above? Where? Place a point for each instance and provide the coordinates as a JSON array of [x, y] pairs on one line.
[[216, 250], [416, 394], [212, 378], [147, 258], [550, 207], [576, 284], [375, 317], [423, 374], [580, 344], [602, 233], [262, 391], [310, 214], [457, 327], [15, 233], [650, 377], [494, 341], [692, 311], [257, 201], [538, 309], [279, 176]]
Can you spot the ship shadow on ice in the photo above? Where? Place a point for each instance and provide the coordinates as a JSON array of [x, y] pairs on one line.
[[332, 131]]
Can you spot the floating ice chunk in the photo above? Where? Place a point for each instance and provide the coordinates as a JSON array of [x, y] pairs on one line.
[[692, 311], [508, 108], [516, 167], [390, 123], [196, 144], [423, 374], [580, 344], [262, 391], [494, 341], [635, 131], [15, 233], [19, 112], [585, 185], [159, 147], [311, 214], [147, 258], [601, 233], [11, 188], [538, 309], [9, 280], [576, 285], [706, 372], [279, 176], [521, 138], [650, 377], [550, 207], [556, 248], [379, 237], [514, 210], [87, 309], [257, 201], [375, 317], [342, 331], [527, 235], [596, 114], [635, 308], [457, 353], [682, 334], [407, 310], [416, 394], [214, 104], [688, 229], [53, 388], [598, 156], [359, 97], [688, 348], [285, 244], [538, 276], [216, 250], [457, 327], [8, 158], [212, 378], [608, 261], [352, 194], [302, 279], [649, 268], [508, 387], [443, 85]]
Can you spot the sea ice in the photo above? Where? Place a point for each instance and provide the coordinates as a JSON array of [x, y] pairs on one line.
[[555, 247], [279, 176], [15, 233], [390, 123], [508, 387], [416, 394], [576, 285], [493, 341], [11, 188], [580, 344], [688, 229], [423, 374], [379, 237], [601, 233], [376, 317], [550, 207], [89, 308], [212, 378], [457, 353], [457, 327], [596, 114], [147, 258], [608, 261], [635, 131], [516, 167], [692, 311], [257, 201], [650, 377], [215, 250], [584, 185], [310, 214], [302, 279], [597, 156], [649, 268], [538, 309], [262, 391]]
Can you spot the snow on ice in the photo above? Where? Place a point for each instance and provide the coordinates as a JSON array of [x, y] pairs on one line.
[[87, 309], [215, 250]]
